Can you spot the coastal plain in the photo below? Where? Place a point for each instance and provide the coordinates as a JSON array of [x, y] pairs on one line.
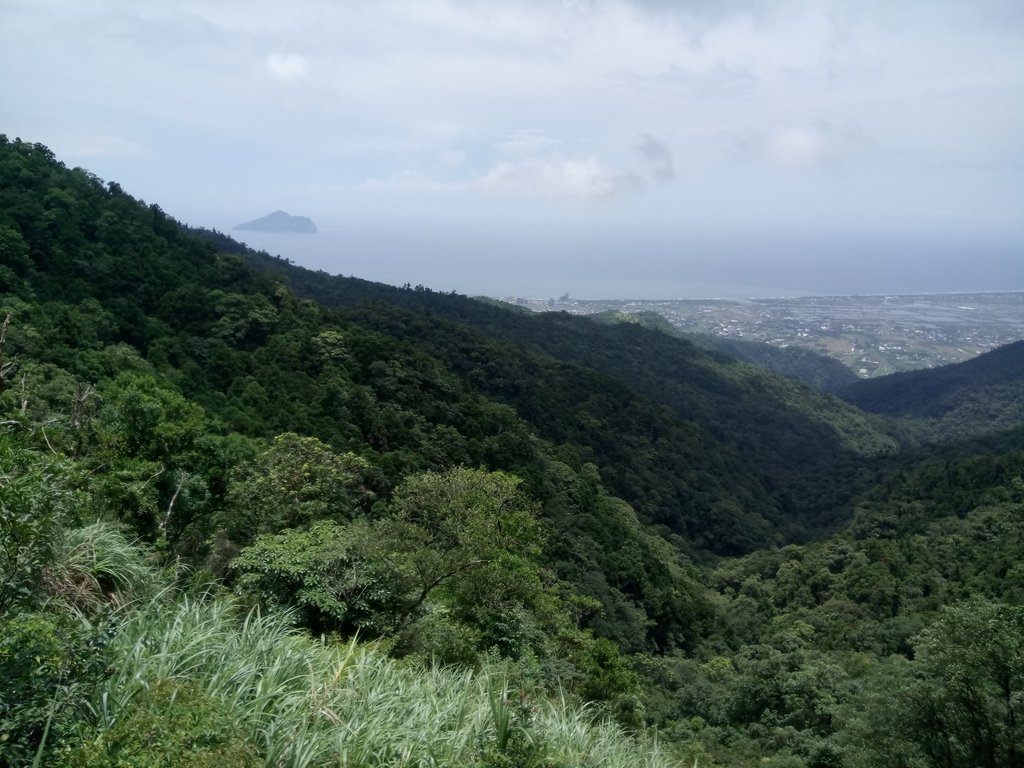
[[873, 335]]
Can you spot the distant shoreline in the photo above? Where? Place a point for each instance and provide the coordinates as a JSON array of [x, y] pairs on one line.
[[478, 265]]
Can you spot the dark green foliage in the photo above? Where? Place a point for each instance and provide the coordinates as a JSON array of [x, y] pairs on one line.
[[169, 724], [38, 497], [975, 397], [673, 472], [451, 572], [797, 363], [296, 482], [803, 365], [958, 703], [803, 629], [336, 575], [726, 430], [944, 486], [47, 663]]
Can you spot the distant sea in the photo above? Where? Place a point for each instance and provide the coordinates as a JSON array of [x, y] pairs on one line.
[[478, 263]]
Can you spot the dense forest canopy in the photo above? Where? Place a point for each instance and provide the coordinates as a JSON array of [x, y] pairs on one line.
[[256, 515]]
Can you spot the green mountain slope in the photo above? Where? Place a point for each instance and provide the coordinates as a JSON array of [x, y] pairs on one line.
[[802, 365], [975, 397], [786, 436], [161, 360]]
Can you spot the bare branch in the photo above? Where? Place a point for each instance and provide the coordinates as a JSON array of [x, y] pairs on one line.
[[6, 367], [182, 478], [24, 395], [47, 439]]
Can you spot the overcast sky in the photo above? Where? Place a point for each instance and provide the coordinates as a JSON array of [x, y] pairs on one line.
[[531, 147]]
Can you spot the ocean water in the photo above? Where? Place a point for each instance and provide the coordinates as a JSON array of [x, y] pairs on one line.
[[537, 266]]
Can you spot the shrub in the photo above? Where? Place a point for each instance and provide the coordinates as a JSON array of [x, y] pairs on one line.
[[169, 724]]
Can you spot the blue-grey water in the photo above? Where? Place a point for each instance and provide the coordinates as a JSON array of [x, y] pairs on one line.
[[538, 266]]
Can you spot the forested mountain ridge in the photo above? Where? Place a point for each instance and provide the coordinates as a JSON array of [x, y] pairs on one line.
[[954, 401], [804, 365], [205, 347], [786, 435], [439, 490]]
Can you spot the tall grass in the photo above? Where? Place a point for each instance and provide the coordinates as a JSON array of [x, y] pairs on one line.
[[302, 702], [97, 564]]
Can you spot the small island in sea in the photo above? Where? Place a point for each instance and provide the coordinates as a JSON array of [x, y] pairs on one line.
[[279, 221]]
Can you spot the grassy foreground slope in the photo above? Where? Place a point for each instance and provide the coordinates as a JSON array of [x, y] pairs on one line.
[[107, 661]]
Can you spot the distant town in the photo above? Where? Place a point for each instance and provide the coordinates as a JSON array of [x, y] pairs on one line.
[[873, 335]]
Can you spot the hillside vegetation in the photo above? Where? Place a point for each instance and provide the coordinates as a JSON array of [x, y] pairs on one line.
[[256, 515], [761, 432], [975, 397], [798, 363]]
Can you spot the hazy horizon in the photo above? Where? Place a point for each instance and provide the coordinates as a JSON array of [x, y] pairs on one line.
[[527, 270], [517, 147]]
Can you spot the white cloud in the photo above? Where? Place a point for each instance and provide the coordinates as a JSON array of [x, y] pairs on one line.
[[540, 166], [528, 164], [286, 67], [918, 104], [556, 177], [528, 141], [805, 146]]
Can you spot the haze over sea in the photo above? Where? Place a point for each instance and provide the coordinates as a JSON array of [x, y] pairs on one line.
[[606, 149], [542, 265]]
